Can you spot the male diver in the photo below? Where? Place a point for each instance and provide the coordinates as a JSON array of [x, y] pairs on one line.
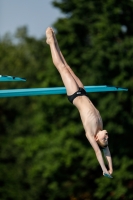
[[90, 116]]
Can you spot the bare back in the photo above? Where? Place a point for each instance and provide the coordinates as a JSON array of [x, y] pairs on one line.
[[90, 116]]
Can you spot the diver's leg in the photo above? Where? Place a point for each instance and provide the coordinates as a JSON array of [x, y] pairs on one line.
[[67, 78], [78, 81]]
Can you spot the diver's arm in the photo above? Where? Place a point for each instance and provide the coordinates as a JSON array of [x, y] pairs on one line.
[[107, 155], [97, 152]]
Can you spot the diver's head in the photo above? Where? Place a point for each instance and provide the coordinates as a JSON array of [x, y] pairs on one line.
[[102, 138]]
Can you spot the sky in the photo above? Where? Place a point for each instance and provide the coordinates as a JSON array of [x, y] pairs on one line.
[[37, 15]]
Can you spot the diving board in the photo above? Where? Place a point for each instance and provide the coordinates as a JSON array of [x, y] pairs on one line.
[[6, 78], [55, 90]]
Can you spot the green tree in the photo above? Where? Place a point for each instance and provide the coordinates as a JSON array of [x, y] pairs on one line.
[[99, 36]]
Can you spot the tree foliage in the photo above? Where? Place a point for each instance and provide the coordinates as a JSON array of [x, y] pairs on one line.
[[44, 151]]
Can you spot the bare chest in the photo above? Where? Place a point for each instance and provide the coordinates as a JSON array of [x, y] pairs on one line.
[[90, 116], [92, 119]]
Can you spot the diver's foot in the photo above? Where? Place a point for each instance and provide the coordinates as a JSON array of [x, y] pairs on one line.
[[49, 36], [55, 40]]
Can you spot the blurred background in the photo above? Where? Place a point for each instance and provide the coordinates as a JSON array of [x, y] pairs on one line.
[[44, 153], [36, 16]]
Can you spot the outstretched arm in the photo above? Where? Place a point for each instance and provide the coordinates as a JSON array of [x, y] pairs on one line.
[[97, 152], [107, 155]]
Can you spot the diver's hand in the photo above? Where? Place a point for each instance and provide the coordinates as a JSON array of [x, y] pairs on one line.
[[110, 171], [107, 174]]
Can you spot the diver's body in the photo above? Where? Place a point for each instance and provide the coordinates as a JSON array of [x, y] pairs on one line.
[[90, 116]]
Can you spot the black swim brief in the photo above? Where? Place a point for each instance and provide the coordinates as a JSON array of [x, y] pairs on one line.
[[80, 92]]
